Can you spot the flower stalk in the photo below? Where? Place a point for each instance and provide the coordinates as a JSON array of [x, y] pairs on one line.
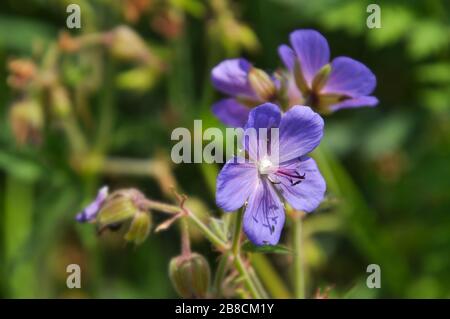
[[299, 276]]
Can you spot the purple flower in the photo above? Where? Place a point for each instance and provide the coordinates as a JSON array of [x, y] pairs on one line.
[[345, 83], [90, 212], [261, 181], [247, 87]]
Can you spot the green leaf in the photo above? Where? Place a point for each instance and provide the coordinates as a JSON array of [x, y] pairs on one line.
[[26, 32], [19, 167], [267, 249]]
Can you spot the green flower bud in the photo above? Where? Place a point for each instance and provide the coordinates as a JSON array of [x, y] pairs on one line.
[[190, 275], [262, 84], [139, 228], [321, 78], [60, 101], [126, 44], [27, 120], [119, 207]]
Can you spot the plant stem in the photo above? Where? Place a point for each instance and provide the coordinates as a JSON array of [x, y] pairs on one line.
[[246, 276], [172, 209], [220, 274], [258, 283], [235, 250], [185, 241], [299, 276], [219, 243], [271, 279]]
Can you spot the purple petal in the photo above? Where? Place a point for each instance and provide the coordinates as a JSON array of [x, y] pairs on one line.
[[309, 192], [264, 216], [287, 55], [356, 102], [301, 130], [231, 113], [350, 77], [235, 183], [265, 116], [231, 77], [312, 51], [90, 212]]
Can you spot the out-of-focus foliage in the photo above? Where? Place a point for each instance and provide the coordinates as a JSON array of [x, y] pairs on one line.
[[390, 163]]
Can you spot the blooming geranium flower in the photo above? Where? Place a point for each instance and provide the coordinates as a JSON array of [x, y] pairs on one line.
[[265, 178], [90, 212], [247, 87], [328, 87]]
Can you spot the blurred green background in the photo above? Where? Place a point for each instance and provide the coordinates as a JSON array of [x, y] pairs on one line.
[[104, 114]]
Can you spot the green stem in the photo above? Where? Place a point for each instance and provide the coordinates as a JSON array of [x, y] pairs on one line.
[[271, 279], [74, 135], [185, 241], [219, 243], [220, 274], [172, 209], [254, 277], [299, 276], [246, 276], [235, 249]]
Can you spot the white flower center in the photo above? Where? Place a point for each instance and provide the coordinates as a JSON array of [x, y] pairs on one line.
[[265, 166]]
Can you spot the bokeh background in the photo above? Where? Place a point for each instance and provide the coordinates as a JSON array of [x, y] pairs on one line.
[[74, 119]]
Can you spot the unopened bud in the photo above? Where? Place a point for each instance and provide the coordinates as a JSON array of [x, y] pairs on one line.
[[190, 275], [60, 101], [26, 119], [321, 78], [126, 44], [262, 84], [67, 43], [119, 207], [22, 71], [139, 228]]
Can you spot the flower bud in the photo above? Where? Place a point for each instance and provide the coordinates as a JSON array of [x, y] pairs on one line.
[[119, 207], [126, 44], [262, 84], [321, 78], [21, 72], [60, 101], [190, 275], [26, 119], [139, 228]]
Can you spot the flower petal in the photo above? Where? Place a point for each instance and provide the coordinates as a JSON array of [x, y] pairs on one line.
[[287, 55], [235, 183], [356, 102], [264, 215], [301, 130], [231, 77], [307, 194], [350, 77], [312, 51], [265, 116], [90, 212], [231, 113]]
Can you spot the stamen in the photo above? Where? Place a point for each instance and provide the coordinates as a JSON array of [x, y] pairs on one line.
[[293, 176]]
